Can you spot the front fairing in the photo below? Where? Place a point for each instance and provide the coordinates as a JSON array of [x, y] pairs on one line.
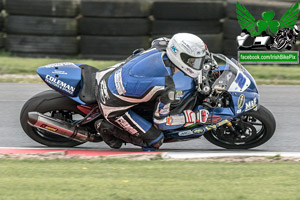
[[239, 83], [233, 79]]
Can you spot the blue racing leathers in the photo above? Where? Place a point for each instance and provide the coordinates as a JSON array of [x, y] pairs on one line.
[[146, 77]]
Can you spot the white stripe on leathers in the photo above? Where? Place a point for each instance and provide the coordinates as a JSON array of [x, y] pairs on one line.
[[136, 124], [149, 96]]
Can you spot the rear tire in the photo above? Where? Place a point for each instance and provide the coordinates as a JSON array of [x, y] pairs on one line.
[[44, 102], [268, 128]]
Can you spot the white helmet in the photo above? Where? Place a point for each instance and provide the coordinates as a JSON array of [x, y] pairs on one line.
[[187, 52]]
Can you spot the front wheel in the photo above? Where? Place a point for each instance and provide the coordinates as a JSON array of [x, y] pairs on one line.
[[252, 129]]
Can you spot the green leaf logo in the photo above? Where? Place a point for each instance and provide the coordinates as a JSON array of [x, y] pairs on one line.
[[267, 24]]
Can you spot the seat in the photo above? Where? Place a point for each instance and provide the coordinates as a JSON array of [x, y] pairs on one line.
[[87, 93]]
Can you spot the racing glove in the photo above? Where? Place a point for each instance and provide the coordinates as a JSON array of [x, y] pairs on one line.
[[185, 119], [191, 117]]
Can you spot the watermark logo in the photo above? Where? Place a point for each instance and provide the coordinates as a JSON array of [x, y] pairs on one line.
[[267, 40]]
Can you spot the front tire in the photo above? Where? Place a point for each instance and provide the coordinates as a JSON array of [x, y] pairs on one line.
[[53, 103], [258, 127]]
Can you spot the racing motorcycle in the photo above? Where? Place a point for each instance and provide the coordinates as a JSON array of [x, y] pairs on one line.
[[65, 116], [286, 38], [246, 42]]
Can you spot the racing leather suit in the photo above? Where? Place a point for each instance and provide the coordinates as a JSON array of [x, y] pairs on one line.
[[147, 76]]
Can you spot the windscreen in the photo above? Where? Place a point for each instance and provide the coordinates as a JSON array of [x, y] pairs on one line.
[[228, 72]]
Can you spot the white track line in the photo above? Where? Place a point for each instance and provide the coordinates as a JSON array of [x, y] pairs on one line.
[[186, 155]]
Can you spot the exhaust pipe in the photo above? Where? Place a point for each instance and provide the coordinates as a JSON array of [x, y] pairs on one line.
[[57, 126]]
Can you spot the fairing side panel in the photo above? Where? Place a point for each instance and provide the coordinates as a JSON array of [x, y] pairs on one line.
[[64, 78]]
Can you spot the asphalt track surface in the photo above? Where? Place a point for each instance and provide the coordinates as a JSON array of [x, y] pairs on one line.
[[283, 101]]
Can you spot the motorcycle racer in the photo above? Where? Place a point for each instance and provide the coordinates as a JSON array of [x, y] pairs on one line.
[[285, 38], [146, 76]]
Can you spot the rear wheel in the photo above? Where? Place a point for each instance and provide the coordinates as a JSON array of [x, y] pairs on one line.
[[55, 105], [252, 129]]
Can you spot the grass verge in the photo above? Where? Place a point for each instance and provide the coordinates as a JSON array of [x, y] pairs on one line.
[[123, 179], [264, 74], [17, 65]]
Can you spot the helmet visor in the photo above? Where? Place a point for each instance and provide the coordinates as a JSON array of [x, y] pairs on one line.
[[195, 63]]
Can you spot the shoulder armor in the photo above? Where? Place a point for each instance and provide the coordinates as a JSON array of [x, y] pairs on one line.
[[150, 66]]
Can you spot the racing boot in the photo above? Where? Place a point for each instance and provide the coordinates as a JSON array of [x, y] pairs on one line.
[[128, 138], [105, 129], [153, 138], [145, 140], [114, 137]]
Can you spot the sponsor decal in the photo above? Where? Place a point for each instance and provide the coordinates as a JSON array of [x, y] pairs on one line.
[[119, 82], [49, 128], [197, 131], [59, 72], [162, 109], [241, 101], [126, 126], [59, 64], [251, 104], [186, 47], [192, 48], [174, 49], [219, 87], [169, 121], [165, 110], [175, 120], [190, 71], [60, 84], [185, 133], [203, 129], [267, 40], [179, 94], [214, 120], [103, 92]]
